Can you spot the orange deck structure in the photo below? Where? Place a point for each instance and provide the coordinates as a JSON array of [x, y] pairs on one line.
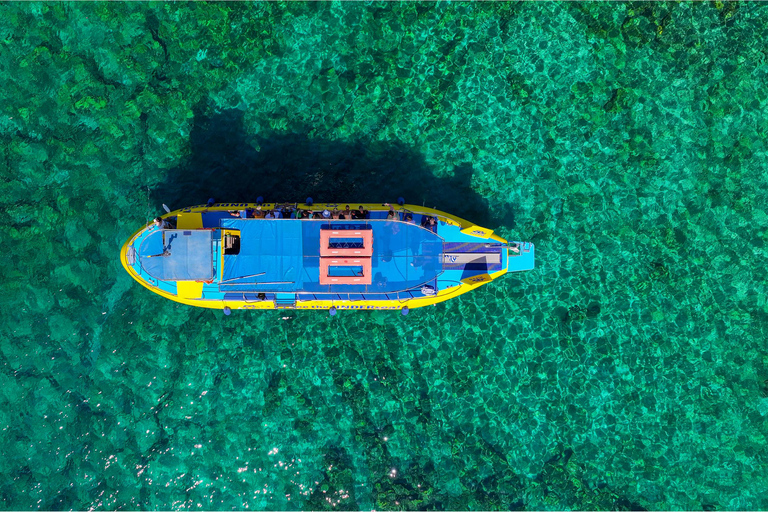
[[328, 235], [326, 263]]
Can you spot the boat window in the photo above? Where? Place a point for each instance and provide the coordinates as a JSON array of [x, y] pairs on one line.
[[345, 243], [231, 244], [345, 270]]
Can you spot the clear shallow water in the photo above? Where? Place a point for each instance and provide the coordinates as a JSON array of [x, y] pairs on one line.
[[626, 140]]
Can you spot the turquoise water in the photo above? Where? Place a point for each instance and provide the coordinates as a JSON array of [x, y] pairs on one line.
[[627, 141]]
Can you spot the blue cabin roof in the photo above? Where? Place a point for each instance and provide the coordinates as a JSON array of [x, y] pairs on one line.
[[283, 255]]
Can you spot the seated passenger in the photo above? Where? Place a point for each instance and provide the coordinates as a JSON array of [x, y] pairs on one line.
[[259, 214], [234, 213], [391, 213], [335, 213], [269, 215], [409, 218], [347, 213], [360, 213]]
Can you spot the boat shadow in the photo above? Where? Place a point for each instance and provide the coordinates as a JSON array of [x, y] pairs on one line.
[[230, 165]]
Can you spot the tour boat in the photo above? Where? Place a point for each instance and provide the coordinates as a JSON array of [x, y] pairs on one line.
[[317, 256]]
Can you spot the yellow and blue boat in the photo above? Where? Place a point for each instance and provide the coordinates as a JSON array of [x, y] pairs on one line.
[[316, 256]]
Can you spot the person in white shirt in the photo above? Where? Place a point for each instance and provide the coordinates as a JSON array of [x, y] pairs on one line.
[[162, 224]]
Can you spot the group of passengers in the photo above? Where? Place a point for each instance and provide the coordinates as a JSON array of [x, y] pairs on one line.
[[288, 211]]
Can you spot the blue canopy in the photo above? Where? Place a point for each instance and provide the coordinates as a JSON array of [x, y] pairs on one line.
[[177, 255], [283, 255], [270, 255]]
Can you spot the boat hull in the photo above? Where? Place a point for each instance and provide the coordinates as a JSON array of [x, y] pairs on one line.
[[458, 269]]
